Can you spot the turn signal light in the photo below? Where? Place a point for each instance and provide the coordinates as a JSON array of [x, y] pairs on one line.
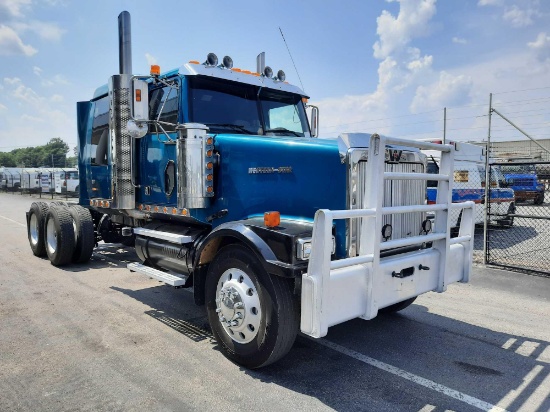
[[138, 95], [272, 219], [155, 70]]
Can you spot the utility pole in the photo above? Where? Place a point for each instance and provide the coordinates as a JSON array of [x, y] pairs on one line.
[[52, 161]]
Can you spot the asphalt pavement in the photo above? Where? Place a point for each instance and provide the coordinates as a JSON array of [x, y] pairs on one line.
[[98, 337]]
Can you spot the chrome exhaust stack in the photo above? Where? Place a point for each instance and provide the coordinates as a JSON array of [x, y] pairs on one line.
[[122, 188]]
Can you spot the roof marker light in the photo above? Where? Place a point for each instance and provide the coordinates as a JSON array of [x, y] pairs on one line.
[[268, 72], [155, 70], [281, 76]]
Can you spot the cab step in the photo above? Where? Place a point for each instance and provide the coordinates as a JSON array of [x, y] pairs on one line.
[[172, 280]]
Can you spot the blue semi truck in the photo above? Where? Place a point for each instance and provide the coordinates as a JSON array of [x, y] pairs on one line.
[[215, 175]]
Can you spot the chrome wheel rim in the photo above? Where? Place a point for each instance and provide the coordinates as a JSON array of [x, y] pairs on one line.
[[33, 228], [238, 305], [51, 237]]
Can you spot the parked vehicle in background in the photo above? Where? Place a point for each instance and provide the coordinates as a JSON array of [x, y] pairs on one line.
[[30, 179], [10, 178], [524, 180], [66, 180], [469, 185]]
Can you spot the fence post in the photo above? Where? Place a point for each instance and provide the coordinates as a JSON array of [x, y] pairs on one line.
[[487, 182]]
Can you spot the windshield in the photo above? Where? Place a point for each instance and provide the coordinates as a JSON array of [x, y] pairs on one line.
[[231, 107]]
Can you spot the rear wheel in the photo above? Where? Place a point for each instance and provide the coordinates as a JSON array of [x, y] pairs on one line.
[[84, 234], [539, 199], [396, 307], [253, 315], [60, 235], [35, 227]]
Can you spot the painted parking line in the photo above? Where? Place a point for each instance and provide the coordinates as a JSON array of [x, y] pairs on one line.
[[470, 400], [14, 221]]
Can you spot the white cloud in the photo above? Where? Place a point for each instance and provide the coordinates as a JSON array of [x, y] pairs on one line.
[[150, 59], [37, 70], [46, 30], [28, 118], [60, 79], [56, 98], [541, 46], [459, 40], [396, 32], [2, 107], [14, 8], [520, 17], [12, 80], [11, 43], [449, 90], [490, 2]]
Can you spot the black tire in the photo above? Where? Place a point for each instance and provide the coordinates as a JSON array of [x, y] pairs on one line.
[[84, 234], [278, 321], [77, 191], [396, 307], [58, 203], [539, 199], [59, 225], [107, 231], [35, 227]]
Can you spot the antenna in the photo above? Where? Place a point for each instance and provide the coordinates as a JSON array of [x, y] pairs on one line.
[[299, 78]]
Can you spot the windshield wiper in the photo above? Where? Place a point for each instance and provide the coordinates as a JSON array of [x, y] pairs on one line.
[[238, 127], [283, 130]]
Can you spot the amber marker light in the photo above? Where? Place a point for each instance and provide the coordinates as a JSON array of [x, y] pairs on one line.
[[174, 211], [138, 95], [91, 202], [156, 209], [140, 207], [155, 70], [209, 153], [165, 209], [209, 189], [272, 219], [209, 165], [236, 70], [209, 178], [193, 62], [209, 140], [148, 208], [184, 212], [106, 203]]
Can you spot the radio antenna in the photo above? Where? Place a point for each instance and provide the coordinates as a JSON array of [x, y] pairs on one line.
[[299, 78]]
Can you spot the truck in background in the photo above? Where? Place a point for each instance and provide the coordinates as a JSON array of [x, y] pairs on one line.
[[523, 179], [216, 174], [470, 185]]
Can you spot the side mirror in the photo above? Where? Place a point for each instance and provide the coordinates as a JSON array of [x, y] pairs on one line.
[[139, 116], [314, 122]]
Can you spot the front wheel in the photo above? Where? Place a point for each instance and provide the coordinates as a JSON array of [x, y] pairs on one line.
[[253, 315]]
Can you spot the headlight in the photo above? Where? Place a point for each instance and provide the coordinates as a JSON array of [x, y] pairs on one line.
[[303, 248]]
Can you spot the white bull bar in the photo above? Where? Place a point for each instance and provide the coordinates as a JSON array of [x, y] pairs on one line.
[[336, 291]]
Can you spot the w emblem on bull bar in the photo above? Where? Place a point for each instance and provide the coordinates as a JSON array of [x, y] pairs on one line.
[[393, 155]]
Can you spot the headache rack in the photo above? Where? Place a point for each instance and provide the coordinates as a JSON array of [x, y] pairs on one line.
[[340, 290]]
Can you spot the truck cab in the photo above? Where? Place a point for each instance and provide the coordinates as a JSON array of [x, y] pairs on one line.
[[523, 179]]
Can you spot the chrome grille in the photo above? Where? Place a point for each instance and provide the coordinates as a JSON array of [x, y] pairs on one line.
[[396, 193]]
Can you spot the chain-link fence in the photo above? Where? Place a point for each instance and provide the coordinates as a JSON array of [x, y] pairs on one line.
[[522, 243]]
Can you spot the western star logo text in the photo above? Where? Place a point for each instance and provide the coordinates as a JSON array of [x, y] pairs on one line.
[[262, 170]]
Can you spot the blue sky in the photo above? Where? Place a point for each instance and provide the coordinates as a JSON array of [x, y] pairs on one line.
[[371, 66]]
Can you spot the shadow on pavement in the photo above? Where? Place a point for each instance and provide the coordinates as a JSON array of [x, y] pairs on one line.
[[468, 358]]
